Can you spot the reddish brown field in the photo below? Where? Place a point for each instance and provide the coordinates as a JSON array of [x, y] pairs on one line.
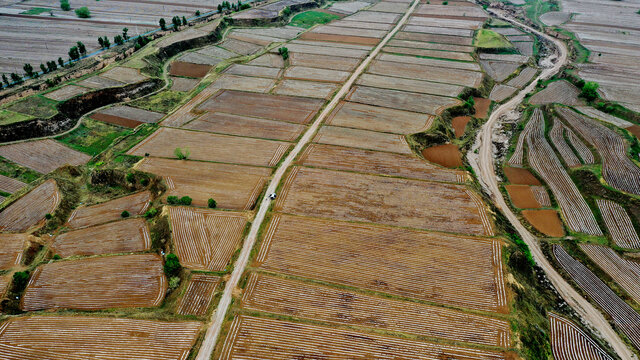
[[289, 297], [411, 203], [11, 249], [31, 209], [349, 39], [206, 239], [232, 186], [459, 124], [273, 107], [262, 338], [97, 283], [520, 176], [116, 120], [522, 196], [78, 337], [546, 221], [135, 204], [212, 147], [131, 235], [635, 130], [374, 162], [179, 68], [446, 155], [199, 295], [375, 118], [334, 135], [246, 126], [569, 342], [42, 156], [481, 107]]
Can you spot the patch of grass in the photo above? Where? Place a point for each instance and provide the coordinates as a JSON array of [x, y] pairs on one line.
[[36, 11], [13, 170], [10, 117], [308, 19], [163, 102], [535, 8], [92, 137], [37, 106], [488, 39], [580, 52]]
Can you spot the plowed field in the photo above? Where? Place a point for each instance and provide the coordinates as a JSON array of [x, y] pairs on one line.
[[30, 210], [625, 272], [569, 342], [199, 295], [546, 221], [97, 283], [447, 155], [522, 196], [42, 156], [11, 249], [401, 100], [520, 176], [135, 204], [334, 135], [246, 126], [375, 118], [619, 224], [180, 68]]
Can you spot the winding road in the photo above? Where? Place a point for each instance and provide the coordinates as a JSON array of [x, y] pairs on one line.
[[484, 166], [218, 317]]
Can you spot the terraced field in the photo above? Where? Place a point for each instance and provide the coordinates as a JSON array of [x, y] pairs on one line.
[[199, 295], [569, 342], [624, 272], [31, 209], [135, 204], [618, 224], [11, 249], [42, 156]]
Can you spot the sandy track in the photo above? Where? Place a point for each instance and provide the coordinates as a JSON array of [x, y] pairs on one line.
[[209, 342], [483, 165]]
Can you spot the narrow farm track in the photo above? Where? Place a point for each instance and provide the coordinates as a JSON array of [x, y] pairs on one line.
[[484, 167], [211, 336]]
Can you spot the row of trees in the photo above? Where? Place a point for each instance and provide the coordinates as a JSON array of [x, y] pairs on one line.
[[225, 5]]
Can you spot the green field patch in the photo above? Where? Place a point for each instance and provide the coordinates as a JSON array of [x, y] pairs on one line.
[[309, 18], [163, 102], [10, 117], [488, 39], [13, 170], [92, 137], [37, 106], [36, 11]]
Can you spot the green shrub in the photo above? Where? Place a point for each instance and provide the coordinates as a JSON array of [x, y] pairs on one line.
[[185, 200], [151, 213], [130, 178], [172, 265], [172, 200], [125, 214], [20, 280], [83, 12], [181, 154], [48, 216], [212, 203], [56, 257], [286, 11], [144, 181], [590, 90], [284, 52], [174, 282], [64, 5]]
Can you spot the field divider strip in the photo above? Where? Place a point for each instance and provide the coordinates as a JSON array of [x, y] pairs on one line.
[[211, 336]]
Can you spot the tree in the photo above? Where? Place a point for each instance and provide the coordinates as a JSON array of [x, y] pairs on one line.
[[286, 11], [212, 203], [64, 5], [284, 52], [106, 42], [590, 90], [101, 42], [28, 69], [163, 25], [197, 12], [185, 200], [172, 265], [43, 68], [176, 22], [125, 214], [83, 12], [52, 66], [181, 154], [118, 39], [81, 48], [73, 53], [219, 8], [172, 200], [20, 280], [125, 34], [60, 62], [184, 21], [5, 79]]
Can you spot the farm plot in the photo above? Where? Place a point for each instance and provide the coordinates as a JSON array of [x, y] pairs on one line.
[[127, 116], [435, 38], [184, 113], [243, 83], [426, 72], [517, 157], [205, 239], [273, 107], [232, 186], [429, 53], [97, 283], [349, 31], [10, 185], [389, 7], [346, 39], [199, 295], [183, 84], [260, 338], [268, 60], [429, 46], [498, 70], [363, 139], [65, 92], [459, 124], [523, 78], [373, 162], [462, 65], [469, 11], [438, 30], [78, 337], [619, 224], [322, 50], [624, 317], [543, 160], [131, 235], [99, 82], [569, 342], [481, 107], [401, 100], [124, 74], [323, 61], [545, 221], [374, 16], [557, 139], [43, 156], [501, 92], [412, 203], [135, 204], [561, 92], [522, 196], [583, 151], [519, 59], [447, 155], [211, 147], [11, 249], [623, 271], [362, 24], [520, 176], [315, 74], [252, 70], [524, 47], [181, 68], [617, 170], [410, 85], [246, 126], [541, 195], [348, 7], [311, 89], [30, 210], [597, 114], [446, 22], [294, 298], [376, 118]]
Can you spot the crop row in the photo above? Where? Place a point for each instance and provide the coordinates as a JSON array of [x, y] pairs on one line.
[[569, 342], [619, 224], [625, 272], [32, 208]]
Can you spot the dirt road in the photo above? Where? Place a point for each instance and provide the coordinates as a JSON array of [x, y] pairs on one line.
[[483, 165], [218, 317]]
